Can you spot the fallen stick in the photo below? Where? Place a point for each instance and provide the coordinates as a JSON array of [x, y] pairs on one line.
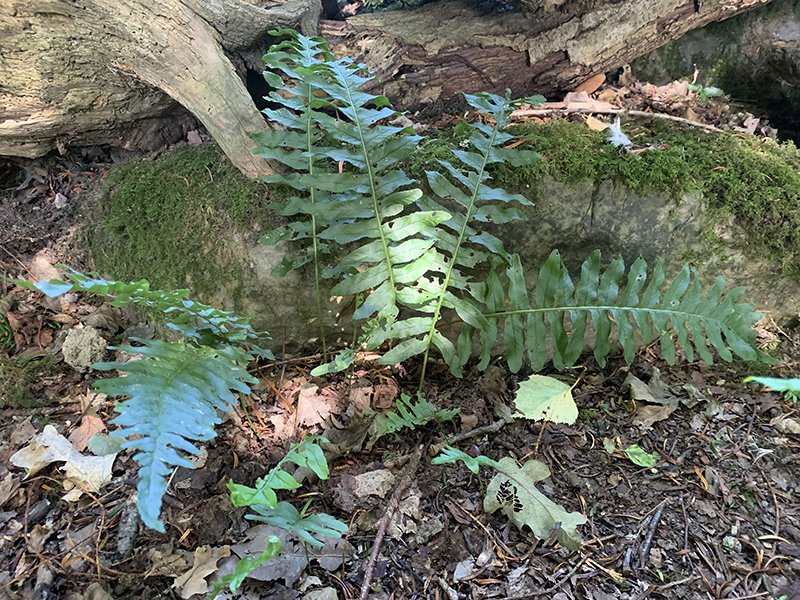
[[394, 501], [540, 112]]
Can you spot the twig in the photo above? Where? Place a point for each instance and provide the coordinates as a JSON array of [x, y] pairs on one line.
[[394, 501], [651, 531], [557, 585], [686, 558], [538, 112], [466, 435]]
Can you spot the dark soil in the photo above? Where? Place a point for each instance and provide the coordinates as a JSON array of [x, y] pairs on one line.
[[717, 517]]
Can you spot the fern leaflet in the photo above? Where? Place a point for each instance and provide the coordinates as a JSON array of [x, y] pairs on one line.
[[681, 313]]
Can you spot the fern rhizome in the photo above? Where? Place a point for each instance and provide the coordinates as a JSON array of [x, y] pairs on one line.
[[412, 256]]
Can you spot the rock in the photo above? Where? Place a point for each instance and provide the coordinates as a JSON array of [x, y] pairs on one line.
[[83, 347], [327, 593]]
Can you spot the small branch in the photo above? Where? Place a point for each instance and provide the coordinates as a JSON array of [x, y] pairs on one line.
[[394, 502], [478, 431], [651, 531], [540, 112]]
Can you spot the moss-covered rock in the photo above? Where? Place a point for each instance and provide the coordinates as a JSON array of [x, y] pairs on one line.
[[728, 203], [189, 219], [741, 179]]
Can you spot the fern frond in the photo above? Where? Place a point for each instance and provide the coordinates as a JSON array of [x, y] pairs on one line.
[[173, 398], [200, 322], [264, 501], [462, 248], [391, 250], [636, 305], [299, 59], [410, 415]]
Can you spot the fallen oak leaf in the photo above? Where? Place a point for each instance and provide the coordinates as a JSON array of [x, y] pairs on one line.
[[205, 563], [86, 430]]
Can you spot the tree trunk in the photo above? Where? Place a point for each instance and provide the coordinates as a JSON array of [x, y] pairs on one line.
[[83, 71], [121, 72], [447, 47]]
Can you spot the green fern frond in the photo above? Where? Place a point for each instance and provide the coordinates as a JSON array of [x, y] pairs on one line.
[[462, 248], [263, 498], [174, 392], [298, 147], [390, 249], [173, 399], [200, 322], [410, 415], [636, 304]]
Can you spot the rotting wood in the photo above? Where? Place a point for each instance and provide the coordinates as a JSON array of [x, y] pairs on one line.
[[447, 47]]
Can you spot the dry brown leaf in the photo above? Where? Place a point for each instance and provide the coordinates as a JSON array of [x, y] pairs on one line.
[[385, 394], [595, 124], [8, 488], [205, 563], [41, 267], [314, 406], [590, 85], [88, 427], [361, 397]]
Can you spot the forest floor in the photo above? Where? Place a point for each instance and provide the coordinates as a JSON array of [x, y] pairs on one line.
[[716, 517]]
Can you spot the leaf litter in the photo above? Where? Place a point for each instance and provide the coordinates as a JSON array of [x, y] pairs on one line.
[[725, 477]]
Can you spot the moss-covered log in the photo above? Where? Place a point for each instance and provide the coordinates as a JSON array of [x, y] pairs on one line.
[[449, 46], [131, 73]]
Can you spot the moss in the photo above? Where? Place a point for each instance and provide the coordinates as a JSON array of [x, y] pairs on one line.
[[164, 219], [20, 378], [753, 181]]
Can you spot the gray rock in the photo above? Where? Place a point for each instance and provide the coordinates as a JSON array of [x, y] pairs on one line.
[[83, 347]]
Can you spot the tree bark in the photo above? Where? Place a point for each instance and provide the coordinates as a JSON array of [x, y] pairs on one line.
[[78, 72], [447, 47], [134, 73]]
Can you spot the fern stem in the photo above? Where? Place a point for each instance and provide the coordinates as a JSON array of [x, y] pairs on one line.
[[373, 193], [453, 260], [315, 243]]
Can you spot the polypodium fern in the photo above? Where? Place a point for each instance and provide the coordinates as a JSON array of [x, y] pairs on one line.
[[680, 312], [173, 399], [299, 147], [463, 249], [428, 256], [174, 393], [361, 201]]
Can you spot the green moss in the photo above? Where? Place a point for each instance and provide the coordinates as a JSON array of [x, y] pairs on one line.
[[20, 378], [756, 182], [164, 219]]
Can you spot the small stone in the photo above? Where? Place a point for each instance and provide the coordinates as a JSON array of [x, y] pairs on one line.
[[83, 347], [60, 200], [463, 570], [731, 543]]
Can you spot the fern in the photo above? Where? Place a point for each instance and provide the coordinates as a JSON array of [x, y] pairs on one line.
[[680, 313], [174, 393], [299, 148], [462, 246], [361, 205], [173, 401], [202, 323], [429, 255], [410, 415], [263, 498]]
